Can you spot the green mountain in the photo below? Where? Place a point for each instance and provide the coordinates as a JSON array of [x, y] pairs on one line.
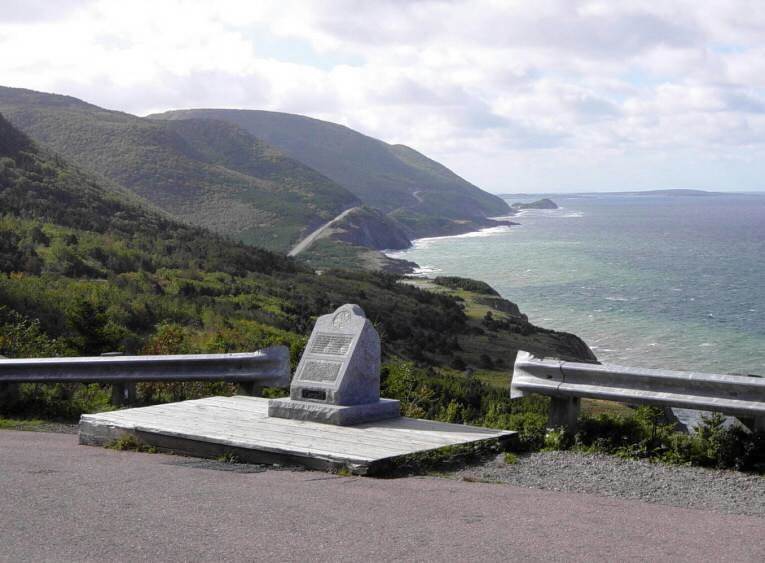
[[421, 194], [208, 173]]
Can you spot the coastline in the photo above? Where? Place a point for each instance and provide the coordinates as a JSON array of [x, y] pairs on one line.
[[418, 270]]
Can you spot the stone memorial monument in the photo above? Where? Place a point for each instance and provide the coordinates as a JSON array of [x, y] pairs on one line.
[[338, 378]]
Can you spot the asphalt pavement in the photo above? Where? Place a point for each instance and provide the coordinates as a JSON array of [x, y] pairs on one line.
[[63, 502]]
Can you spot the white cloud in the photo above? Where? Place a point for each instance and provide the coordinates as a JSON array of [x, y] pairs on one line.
[[513, 95]]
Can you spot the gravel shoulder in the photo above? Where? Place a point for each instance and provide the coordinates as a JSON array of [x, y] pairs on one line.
[[681, 486]]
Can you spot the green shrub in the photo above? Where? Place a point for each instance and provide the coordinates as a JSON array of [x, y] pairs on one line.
[[474, 286], [510, 458], [558, 439], [645, 434]]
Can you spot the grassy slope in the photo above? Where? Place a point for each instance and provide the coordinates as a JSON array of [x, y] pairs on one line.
[[420, 193], [208, 173]]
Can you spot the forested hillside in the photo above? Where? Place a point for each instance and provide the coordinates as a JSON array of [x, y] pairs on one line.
[[208, 173], [424, 196]]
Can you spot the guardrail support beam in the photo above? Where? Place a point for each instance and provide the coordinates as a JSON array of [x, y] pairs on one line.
[[564, 412], [123, 393]]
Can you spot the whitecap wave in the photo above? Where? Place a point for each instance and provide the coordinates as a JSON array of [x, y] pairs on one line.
[[426, 242], [425, 271]]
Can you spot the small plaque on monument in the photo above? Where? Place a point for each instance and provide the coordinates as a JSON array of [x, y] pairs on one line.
[[338, 378]]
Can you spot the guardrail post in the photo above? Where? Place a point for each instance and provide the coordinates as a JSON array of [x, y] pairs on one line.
[[759, 424], [9, 393], [123, 393], [564, 412], [251, 388]]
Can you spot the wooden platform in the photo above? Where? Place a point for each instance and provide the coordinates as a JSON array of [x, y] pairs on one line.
[[240, 426]]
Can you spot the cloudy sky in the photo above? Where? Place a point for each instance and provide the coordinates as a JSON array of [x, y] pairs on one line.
[[550, 95]]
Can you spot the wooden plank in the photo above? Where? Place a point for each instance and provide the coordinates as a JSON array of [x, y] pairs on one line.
[[382, 430], [351, 435], [398, 430], [415, 427], [252, 437], [293, 434], [259, 435], [263, 428], [205, 426]]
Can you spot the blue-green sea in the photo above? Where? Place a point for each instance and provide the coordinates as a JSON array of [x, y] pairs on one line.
[[674, 282]]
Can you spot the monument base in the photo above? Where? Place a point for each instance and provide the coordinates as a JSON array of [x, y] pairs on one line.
[[339, 415]]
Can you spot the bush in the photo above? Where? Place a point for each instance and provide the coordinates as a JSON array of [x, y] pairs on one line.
[[21, 337], [647, 435], [474, 286], [59, 401]]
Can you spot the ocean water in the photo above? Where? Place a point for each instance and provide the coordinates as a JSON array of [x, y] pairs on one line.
[[674, 282]]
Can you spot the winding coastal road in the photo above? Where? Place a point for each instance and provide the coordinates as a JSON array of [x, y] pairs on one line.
[[310, 239], [65, 502]]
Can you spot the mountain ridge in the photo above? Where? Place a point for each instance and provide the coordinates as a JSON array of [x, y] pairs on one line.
[[206, 173], [229, 176], [421, 194]]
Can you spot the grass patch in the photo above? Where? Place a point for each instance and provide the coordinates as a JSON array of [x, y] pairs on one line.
[[129, 443], [510, 458], [228, 457], [19, 423]]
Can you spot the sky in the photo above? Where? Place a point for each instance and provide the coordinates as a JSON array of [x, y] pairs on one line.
[[515, 96]]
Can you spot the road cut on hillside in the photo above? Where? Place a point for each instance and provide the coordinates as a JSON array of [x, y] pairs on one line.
[[311, 238]]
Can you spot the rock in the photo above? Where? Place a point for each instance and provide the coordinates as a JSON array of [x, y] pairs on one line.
[[370, 228], [543, 203]]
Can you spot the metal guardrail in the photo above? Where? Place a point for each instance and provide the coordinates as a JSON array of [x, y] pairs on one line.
[[265, 368], [567, 382]]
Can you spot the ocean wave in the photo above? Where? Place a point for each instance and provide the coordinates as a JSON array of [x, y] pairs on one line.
[[425, 271], [426, 242]]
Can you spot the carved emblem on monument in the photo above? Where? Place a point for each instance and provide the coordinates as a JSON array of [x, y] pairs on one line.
[[341, 318]]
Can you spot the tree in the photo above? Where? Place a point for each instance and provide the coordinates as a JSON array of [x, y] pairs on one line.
[[11, 257]]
